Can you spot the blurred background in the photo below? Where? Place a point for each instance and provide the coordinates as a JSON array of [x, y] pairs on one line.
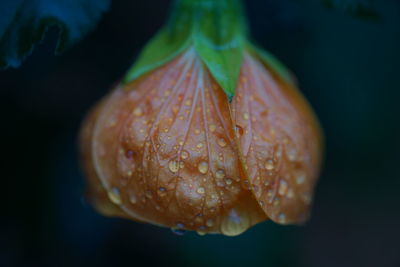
[[347, 68]]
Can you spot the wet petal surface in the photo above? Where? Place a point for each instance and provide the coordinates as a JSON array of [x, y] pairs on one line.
[[279, 143], [165, 152]]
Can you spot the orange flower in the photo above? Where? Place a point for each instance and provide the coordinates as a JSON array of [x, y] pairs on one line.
[[169, 149]]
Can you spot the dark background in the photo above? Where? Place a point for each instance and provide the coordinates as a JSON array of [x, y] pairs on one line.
[[348, 68]]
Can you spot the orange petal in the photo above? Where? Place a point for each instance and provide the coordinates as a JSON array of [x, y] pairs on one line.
[[164, 150], [279, 141]]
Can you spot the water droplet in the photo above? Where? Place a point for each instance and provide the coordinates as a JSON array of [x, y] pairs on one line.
[[283, 187], [220, 174], [246, 116], [307, 198], [203, 167], [269, 165], [291, 153], [300, 179], [281, 218], [212, 127], [115, 196], [133, 199], [137, 111], [129, 154], [201, 190], [234, 223], [179, 229], [228, 181], [184, 154], [162, 191], [199, 145], [239, 130], [222, 142], [149, 194], [173, 166], [201, 233], [181, 164], [179, 232], [290, 193]]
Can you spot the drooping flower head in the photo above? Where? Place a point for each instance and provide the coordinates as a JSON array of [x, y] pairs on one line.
[[206, 132]]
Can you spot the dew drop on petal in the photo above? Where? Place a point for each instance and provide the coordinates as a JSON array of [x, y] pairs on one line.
[[129, 154], [300, 178], [212, 127], [222, 142], [137, 111], [239, 130], [291, 153], [203, 167], [283, 187], [201, 190], [234, 223], [290, 193], [269, 165], [162, 191], [177, 231], [307, 198], [133, 199], [173, 166], [201, 233], [115, 196], [184, 154], [220, 174], [149, 194], [282, 218], [228, 181]]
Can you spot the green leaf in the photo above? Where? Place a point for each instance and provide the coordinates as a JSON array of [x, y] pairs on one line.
[[273, 64], [358, 8], [23, 23]]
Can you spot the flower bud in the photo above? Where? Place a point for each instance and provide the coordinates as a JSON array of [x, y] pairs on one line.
[[175, 146]]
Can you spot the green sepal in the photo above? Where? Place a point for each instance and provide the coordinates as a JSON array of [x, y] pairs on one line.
[[160, 50], [215, 28], [273, 64]]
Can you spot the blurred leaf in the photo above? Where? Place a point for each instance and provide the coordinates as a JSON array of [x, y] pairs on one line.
[[23, 23], [358, 8]]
